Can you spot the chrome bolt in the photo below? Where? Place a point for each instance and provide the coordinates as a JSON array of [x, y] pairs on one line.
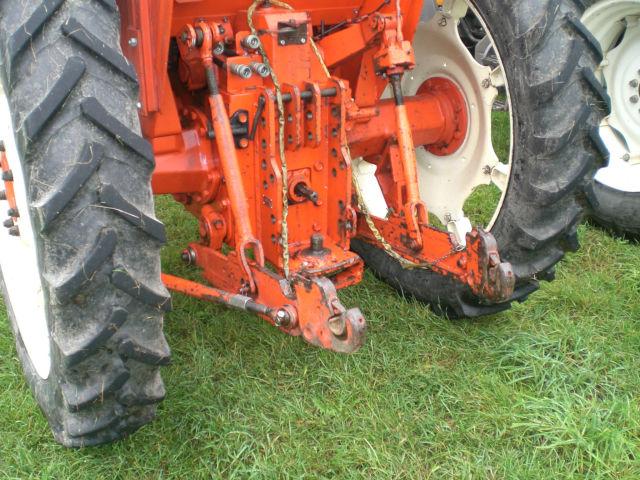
[[303, 40], [626, 157], [139, 105], [486, 83], [8, 223], [14, 231], [282, 42], [634, 99], [13, 212], [309, 116], [633, 83], [260, 68], [241, 70], [251, 42], [133, 42], [7, 176]]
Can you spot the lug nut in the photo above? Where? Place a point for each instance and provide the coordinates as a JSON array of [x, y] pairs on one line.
[[261, 69], [8, 223], [3, 195], [13, 212], [14, 231], [634, 99], [243, 71], [252, 42], [633, 83], [7, 176]]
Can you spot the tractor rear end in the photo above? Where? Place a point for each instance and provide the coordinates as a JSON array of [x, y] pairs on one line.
[[307, 139]]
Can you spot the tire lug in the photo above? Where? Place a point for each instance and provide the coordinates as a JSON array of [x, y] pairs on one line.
[[8, 223], [7, 176], [3, 195], [13, 212], [14, 231]]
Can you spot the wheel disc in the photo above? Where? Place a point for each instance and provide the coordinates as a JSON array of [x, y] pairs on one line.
[[616, 25], [18, 256], [448, 181]]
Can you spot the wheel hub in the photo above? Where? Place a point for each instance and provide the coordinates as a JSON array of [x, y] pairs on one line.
[[18, 254], [457, 114]]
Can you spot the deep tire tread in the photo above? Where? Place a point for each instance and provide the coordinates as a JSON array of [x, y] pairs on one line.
[[111, 198], [88, 266], [73, 71], [101, 118], [122, 279], [73, 29], [107, 346]]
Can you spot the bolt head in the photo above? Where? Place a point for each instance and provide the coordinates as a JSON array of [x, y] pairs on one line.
[[283, 319], [2, 149], [14, 231], [626, 157], [3, 195], [7, 176], [133, 42], [303, 41], [282, 42], [8, 223], [633, 83], [13, 212], [634, 99]]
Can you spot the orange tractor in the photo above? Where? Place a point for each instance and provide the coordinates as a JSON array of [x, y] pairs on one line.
[[309, 139]]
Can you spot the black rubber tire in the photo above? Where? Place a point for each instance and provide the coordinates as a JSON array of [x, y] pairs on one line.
[[73, 99], [548, 58], [617, 211]]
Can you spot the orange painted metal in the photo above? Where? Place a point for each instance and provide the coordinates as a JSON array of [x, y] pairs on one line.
[[213, 123], [9, 192]]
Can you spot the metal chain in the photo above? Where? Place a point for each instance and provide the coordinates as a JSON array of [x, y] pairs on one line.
[[405, 263], [283, 158]]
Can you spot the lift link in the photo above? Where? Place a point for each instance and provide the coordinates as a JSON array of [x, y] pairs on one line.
[[245, 238]]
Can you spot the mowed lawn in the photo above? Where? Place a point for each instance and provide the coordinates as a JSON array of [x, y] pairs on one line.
[[547, 390]]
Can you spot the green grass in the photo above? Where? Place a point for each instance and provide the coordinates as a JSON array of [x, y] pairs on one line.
[[547, 390]]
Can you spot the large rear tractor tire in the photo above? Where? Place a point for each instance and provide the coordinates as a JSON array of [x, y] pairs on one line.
[[80, 258], [614, 193], [534, 191]]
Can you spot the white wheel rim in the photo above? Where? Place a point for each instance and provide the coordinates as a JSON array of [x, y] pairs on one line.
[[19, 261], [616, 25], [446, 182]]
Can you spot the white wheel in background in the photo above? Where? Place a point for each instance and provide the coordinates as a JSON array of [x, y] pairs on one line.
[[616, 25], [615, 192]]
